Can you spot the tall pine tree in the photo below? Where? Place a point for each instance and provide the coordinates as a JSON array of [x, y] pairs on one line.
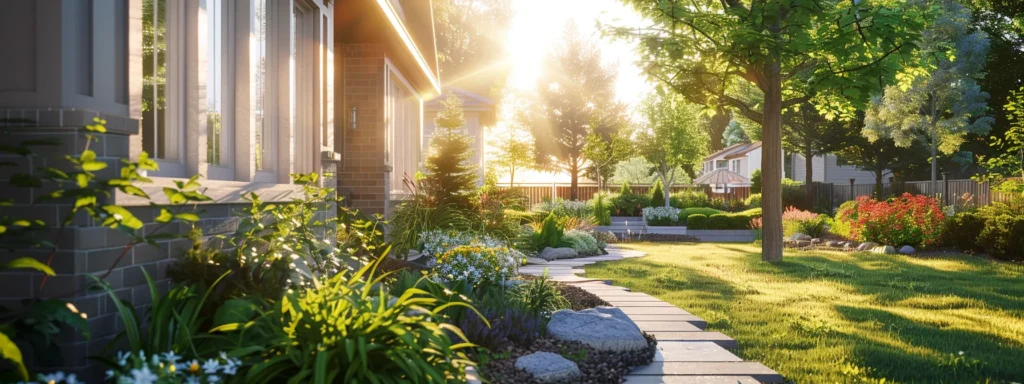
[[450, 173]]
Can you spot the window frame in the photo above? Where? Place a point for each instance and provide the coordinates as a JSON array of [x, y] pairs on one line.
[[225, 168], [410, 147], [175, 84]]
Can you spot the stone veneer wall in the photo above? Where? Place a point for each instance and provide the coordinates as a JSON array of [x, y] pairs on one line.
[[84, 248]]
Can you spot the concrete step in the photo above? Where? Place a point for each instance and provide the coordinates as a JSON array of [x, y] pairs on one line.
[[738, 368], [633, 379], [682, 351], [715, 337], [667, 326], [627, 304], [636, 297]]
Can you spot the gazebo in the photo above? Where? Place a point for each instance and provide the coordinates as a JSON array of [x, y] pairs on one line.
[[722, 177]]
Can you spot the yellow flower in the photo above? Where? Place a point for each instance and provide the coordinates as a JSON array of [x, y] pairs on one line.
[[172, 368], [194, 367]]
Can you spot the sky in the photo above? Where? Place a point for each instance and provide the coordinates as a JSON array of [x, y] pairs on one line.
[[537, 26]]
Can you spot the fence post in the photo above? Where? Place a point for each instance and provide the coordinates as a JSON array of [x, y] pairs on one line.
[[945, 188]]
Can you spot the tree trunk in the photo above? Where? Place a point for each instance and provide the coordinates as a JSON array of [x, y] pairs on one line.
[[812, 197], [935, 165], [716, 127], [511, 176], [771, 166], [878, 183], [573, 187]]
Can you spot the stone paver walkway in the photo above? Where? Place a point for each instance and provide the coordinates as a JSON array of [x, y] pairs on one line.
[[686, 352]]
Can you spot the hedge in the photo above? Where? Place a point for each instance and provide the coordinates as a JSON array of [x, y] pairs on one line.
[[697, 221], [696, 210], [720, 221]]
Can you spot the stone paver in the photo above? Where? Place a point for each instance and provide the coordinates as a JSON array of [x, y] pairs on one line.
[[710, 368], [633, 379], [686, 354], [682, 351]]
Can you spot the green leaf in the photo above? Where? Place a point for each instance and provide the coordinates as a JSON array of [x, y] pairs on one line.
[[190, 217], [165, 216], [87, 156], [92, 166], [10, 352], [28, 263], [123, 216], [234, 311], [174, 196]]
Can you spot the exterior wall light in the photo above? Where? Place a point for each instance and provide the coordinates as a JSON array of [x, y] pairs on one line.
[[352, 118]]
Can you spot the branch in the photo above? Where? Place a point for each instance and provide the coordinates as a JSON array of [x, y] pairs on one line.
[[742, 107], [872, 63]]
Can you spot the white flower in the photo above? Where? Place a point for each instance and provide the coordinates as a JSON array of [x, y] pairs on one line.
[[961, 353], [110, 374], [71, 379], [143, 376], [211, 366], [171, 357], [213, 379], [192, 380], [122, 357], [56, 377]]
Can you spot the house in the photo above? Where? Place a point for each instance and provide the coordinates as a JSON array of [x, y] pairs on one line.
[[387, 68], [241, 92], [742, 159], [479, 113], [830, 169]]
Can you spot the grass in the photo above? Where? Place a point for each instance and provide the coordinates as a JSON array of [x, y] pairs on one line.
[[832, 317]]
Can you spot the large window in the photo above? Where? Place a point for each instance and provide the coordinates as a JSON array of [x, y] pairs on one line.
[[402, 111], [212, 19], [258, 53], [156, 138]]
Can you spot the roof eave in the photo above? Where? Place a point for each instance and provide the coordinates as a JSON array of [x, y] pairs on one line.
[[410, 45]]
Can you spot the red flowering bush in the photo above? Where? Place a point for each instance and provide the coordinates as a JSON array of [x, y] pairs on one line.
[[914, 220]]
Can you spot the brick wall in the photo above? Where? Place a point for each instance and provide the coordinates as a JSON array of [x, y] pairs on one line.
[[363, 175]]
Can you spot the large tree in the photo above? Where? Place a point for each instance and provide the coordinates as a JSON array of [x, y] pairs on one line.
[[788, 49], [938, 100], [471, 42], [882, 158], [807, 132], [576, 97], [672, 138]]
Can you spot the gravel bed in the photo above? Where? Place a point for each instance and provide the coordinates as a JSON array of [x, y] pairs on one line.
[[596, 366]]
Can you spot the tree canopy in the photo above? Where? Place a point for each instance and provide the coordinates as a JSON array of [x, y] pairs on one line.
[[470, 37], [836, 52], [672, 137]]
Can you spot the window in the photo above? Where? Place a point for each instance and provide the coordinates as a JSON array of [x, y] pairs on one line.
[[402, 111], [155, 138], [719, 164], [258, 53], [212, 44], [736, 166]]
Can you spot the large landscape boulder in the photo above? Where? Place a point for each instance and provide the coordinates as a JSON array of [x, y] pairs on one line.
[[907, 250], [535, 260], [547, 367], [603, 331], [613, 312], [551, 254], [867, 246], [884, 249]]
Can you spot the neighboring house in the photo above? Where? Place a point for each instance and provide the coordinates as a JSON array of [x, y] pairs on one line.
[[239, 91], [479, 113], [387, 68], [830, 169], [742, 159]]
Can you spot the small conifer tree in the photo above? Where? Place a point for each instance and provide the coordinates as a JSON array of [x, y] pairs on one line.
[[451, 175]]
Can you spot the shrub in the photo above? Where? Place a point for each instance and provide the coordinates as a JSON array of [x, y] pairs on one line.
[[742, 220], [574, 223], [540, 296], [753, 200], [436, 242], [913, 220], [755, 182], [720, 221], [842, 227], [550, 234], [477, 264], [808, 223], [1003, 237], [689, 199], [657, 194], [718, 203], [661, 216], [582, 242], [686, 213], [602, 212], [416, 216], [605, 237], [961, 231], [629, 204], [346, 329], [697, 221]]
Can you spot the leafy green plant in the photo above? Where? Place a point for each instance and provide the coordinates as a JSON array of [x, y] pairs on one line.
[[582, 242], [689, 199], [348, 329], [685, 214], [1003, 237], [753, 201], [602, 213], [719, 221], [550, 234], [540, 296], [418, 215], [755, 182], [961, 231]]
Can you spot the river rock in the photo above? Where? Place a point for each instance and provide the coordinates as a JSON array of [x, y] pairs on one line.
[[551, 254], [547, 367], [836, 244], [907, 250], [801, 237], [603, 331], [817, 241], [535, 260], [867, 246]]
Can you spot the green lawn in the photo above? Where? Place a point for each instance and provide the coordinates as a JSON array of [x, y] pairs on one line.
[[827, 317]]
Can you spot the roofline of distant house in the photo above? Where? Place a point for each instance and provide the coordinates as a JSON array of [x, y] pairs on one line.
[[403, 34], [743, 152], [724, 152]]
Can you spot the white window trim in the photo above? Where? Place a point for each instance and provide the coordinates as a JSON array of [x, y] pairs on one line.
[[225, 170], [391, 152], [175, 91]]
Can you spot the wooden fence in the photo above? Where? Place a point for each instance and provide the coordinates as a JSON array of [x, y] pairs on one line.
[[537, 193], [950, 192]]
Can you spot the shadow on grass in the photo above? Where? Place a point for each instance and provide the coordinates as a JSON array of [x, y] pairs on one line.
[[986, 355]]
